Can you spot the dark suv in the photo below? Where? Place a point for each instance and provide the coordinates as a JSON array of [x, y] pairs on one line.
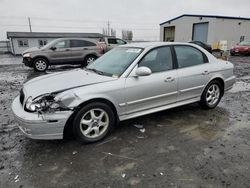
[[63, 51]]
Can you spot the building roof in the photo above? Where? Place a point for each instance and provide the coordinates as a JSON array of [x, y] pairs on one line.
[[206, 16], [51, 35]]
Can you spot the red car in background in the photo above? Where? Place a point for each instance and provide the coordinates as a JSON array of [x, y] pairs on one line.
[[243, 48]]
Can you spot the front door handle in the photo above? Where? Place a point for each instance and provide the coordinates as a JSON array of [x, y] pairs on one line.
[[205, 72], [169, 79], [67, 50]]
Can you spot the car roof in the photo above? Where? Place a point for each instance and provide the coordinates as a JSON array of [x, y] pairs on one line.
[[87, 39], [153, 44]]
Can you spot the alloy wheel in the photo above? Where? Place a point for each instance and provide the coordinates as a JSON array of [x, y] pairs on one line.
[[94, 123], [40, 65], [90, 60], [213, 94]]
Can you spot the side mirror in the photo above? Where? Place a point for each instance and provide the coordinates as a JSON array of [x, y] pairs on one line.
[[143, 71], [53, 48]]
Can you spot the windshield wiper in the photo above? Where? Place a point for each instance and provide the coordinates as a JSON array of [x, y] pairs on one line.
[[96, 71]]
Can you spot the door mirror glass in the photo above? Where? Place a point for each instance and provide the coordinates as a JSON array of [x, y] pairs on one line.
[[143, 71]]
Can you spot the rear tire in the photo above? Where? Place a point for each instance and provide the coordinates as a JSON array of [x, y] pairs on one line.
[[93, 122], [89, 59], [40, 64], [212, 94]]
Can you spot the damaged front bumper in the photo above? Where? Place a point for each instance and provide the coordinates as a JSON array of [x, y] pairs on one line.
[[40, 126]]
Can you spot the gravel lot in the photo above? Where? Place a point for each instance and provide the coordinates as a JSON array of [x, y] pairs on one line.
[[181, 147]]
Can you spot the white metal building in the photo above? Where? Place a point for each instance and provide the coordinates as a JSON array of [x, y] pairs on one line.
[[207, 28], [4, 47], [20, 41]]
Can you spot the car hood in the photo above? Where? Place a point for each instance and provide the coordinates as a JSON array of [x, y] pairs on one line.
[[62, 81], [31, 50]]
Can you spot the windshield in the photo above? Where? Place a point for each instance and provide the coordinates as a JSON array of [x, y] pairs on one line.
[[47, 45], [50, 44], [245, 43], [115, 62]]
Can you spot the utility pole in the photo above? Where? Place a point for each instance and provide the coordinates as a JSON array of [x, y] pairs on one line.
[[29, 24], [108, 28]]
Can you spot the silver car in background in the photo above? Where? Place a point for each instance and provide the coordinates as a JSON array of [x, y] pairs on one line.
[[129, 81], [63, 51]]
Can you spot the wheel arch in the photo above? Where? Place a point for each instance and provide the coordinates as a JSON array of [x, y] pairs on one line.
[[68, 128], [90, 54], [40, 56], [220, 80]]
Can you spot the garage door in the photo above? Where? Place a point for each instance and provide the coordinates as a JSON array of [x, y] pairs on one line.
[[169, 33], [200, 32]]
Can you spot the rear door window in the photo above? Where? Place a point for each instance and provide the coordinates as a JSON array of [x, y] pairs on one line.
[[188, 56]]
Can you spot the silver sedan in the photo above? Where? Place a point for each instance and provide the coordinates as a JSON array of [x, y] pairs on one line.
[[127, 82]]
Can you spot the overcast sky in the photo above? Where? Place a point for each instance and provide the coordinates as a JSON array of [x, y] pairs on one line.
[[141, 16]]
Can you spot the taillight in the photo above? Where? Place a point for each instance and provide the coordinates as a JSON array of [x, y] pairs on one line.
[[101, 50]]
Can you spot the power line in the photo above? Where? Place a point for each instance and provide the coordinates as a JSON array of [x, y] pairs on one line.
[[83, 20], [76, 27]]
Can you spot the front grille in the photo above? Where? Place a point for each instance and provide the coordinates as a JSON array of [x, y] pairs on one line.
[[21, 96]]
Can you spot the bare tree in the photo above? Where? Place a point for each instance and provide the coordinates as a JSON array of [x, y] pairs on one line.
[[113, 32], [127, 35], [107, 32]]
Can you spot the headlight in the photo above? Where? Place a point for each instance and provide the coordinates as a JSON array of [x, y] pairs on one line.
[[42, 103], [27, 55], [30, 105]]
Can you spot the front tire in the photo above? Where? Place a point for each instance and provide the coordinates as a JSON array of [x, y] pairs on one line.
[[40, 64], [212, 94], [93, 122]]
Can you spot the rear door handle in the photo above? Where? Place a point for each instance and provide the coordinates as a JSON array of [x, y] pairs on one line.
[[169, 79], [85, 48], [205, 73], [67, 50]]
